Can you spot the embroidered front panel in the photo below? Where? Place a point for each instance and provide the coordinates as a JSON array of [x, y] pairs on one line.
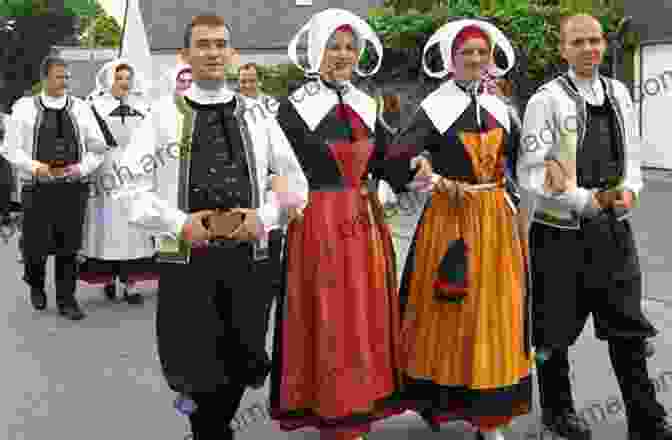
[[485, 151]]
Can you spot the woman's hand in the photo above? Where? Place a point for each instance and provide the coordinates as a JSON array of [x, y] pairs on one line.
[[454, 189]]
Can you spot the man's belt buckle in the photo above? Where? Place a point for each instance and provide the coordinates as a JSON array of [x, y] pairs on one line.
[[225, 243]]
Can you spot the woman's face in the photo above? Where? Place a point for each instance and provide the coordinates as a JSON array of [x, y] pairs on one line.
[[471, 59], [122, 83], [340, 56]]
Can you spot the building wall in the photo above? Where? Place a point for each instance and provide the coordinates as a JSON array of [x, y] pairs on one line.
[[650, 18], [255, 24]]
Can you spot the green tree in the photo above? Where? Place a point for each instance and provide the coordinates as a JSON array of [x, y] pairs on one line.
[[27, 34], [100, 30]]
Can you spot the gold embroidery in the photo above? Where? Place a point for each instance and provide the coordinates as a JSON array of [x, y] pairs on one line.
[[484, 150]]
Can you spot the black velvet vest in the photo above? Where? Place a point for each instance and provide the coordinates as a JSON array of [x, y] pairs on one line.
[[219, 174], [56, 136], [598, 160]]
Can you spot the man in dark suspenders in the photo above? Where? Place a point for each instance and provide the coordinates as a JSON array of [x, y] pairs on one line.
[[54, 141], [579, 158], [210, 205]]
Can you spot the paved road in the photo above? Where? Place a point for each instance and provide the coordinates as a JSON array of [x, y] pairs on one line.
[[99, 379]]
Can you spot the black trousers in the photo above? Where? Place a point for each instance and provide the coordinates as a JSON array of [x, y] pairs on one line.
[[595, 271], [53, 222], [215, 411], [576, 273], [628, 359], [212, 319]]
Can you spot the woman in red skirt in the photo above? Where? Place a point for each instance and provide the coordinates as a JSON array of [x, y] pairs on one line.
[[336, 361]]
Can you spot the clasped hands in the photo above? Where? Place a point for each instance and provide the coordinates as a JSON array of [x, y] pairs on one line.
[[196, 231], [557, 181], [455, 190], [41, 169]]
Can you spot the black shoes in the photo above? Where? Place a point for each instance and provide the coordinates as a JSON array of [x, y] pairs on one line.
[[567, 424], [660, 430], [71, 312], [38, 298], [131, 298], [110, 291], [427, 417]]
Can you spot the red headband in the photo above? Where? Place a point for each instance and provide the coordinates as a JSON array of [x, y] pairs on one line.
[[467, 33], [345, 28]]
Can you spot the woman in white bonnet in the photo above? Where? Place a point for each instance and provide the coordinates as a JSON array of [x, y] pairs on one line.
[[112, 248], [464, 289], [336, 357]]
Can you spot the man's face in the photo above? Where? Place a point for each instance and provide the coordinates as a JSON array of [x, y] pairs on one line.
[[122, 83], [209, 53], [248, 82], [584, 45], [57, 80]]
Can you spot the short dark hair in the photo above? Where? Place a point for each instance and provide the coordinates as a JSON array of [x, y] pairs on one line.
[[49, 61], [211, 20], [248, 66], [121, 67]]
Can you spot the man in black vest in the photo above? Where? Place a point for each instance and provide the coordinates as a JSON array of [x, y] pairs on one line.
[[579, 157], [54, 141], [212, 307]]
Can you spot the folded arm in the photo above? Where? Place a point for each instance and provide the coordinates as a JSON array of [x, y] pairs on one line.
[[13, 148], [145, 208], [539, 144]]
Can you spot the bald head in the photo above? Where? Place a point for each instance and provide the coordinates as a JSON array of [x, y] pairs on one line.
[[570, 23], [582, 43]]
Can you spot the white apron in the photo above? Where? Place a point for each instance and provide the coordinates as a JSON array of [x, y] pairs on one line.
[[108, 235]]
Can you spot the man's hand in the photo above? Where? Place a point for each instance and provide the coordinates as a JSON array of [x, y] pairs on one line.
[[625, 201], [616, 199], [596, 203], [195, 230], [556, 178], [41, 169], [251, 229]]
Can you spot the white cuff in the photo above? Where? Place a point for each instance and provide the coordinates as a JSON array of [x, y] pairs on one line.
[[179, 220], [269, 212]]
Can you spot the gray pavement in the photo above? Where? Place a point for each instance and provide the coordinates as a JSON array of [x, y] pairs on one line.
[[100, 379]]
